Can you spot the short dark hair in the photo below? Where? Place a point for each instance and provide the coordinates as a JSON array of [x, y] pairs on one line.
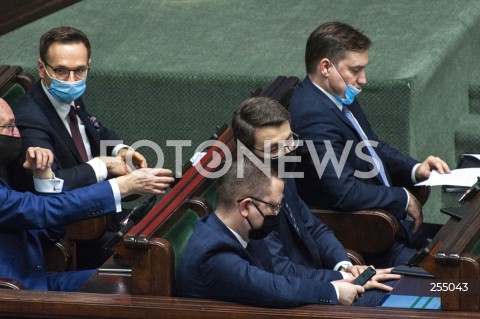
[[332, 40], [253, 182], [63, 34], [257, 112]]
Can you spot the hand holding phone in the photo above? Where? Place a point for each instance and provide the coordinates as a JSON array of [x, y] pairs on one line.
[[364, 276]]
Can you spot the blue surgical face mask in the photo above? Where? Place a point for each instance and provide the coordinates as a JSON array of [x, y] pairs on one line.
[[350, 91], [66, 91]]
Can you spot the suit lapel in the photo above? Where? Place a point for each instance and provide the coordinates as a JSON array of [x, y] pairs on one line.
[[325, 100], [257, 253], [355, 109], [298, 225]]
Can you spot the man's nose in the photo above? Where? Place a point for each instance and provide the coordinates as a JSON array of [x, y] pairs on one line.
[[16, 132], [362, 79]]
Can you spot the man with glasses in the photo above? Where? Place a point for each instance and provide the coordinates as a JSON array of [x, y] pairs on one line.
[[227, 259], [52, 115], [301, 245], [27, 219]]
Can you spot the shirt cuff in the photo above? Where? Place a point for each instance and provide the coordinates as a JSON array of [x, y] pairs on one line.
[[116, 194], [412, 176], [336, 290], [119, 147], [346, 275], [99, 168], [343, 264], [51, 185], [408, 199]]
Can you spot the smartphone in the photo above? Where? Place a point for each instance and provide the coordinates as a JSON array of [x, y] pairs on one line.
[[364, 276]]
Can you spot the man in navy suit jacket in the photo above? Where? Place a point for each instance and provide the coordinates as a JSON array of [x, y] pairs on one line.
[[226, 257], [302, 244], [25, 218], [52, 115], [43, 115], [326, 113]]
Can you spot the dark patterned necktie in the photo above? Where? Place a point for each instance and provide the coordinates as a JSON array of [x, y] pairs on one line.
[[77, 138]]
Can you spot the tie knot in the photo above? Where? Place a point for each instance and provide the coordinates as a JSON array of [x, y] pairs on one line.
[[72, 114]]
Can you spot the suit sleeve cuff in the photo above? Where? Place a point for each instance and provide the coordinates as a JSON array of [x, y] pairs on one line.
[[99, 168], [116, 194]]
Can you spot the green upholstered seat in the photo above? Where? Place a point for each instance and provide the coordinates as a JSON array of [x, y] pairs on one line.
[[13, 95], [179, 234]]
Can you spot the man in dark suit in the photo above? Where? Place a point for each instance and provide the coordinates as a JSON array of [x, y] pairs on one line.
[[52, 115], [26, 218], [226, 257], [371, 174], [302, 244]]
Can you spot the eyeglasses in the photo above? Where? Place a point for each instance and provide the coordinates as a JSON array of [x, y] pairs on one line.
[[63, 74], [276, 207], [11, 127], [290, 145]]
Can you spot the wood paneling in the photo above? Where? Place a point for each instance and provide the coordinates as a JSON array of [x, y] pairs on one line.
[[15, 13]]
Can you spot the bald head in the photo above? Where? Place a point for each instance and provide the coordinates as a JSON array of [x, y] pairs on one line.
[[7, 119]]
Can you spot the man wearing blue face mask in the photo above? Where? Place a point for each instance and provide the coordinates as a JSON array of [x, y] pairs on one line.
[[52, 115], [324, 110]]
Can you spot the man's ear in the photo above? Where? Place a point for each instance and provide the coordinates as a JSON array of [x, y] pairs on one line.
[[41, 69], [243, 207], [323, 67]]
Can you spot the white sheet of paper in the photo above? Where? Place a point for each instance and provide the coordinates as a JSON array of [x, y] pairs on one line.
[[458, 177]]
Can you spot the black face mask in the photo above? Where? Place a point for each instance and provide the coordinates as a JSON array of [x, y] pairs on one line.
[[270, 222], [289, 167], [10, 148]]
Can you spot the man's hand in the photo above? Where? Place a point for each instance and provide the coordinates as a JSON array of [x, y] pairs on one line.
[[115, 166], [132, 157], [347, 291], [414, 210], [39, 160], [356, 270], [381, 275], [145, 181], [430, 163]]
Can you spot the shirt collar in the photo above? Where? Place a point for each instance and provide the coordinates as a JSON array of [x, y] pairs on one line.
[[240, 239], [61, 107], [330, 96]]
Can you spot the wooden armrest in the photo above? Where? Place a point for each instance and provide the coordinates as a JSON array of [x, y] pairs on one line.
[[7, 283], [420, 192], [57, 255], [365, 231], [355, 257]]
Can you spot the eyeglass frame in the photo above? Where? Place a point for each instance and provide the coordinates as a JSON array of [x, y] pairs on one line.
[[290, 148], [87, 68], [10, 126], [275, 212]]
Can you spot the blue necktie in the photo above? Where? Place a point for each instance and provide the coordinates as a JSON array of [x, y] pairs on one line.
[[372, 152]]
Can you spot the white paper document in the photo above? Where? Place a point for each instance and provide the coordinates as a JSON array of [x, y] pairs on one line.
[[458, 177]]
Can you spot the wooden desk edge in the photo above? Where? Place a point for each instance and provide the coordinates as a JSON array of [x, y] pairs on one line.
[[43, 304]]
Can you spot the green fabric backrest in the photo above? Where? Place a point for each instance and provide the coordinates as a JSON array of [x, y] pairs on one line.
[[179, 234], [14, 94]]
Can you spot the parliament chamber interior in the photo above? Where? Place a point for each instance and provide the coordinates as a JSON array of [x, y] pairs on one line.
[[176, 70]]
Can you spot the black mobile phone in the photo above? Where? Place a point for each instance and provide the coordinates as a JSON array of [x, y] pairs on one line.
[[364, 276]]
